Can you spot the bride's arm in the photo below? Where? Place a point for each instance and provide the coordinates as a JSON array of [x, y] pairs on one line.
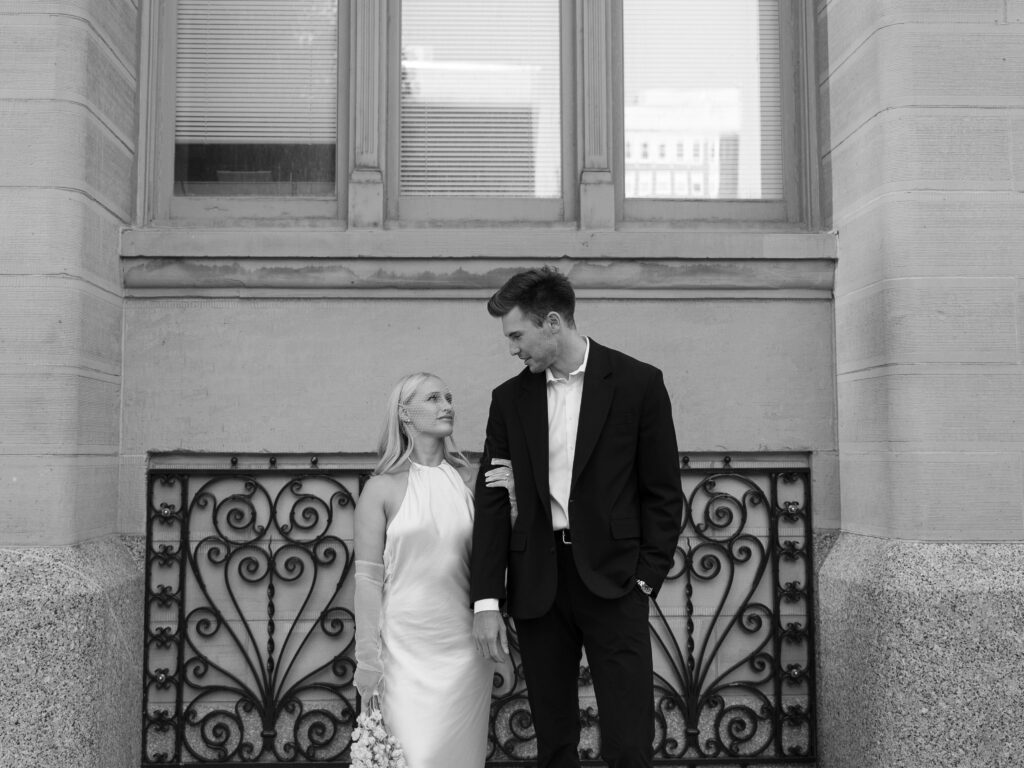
[[370, 525], [500, 476]]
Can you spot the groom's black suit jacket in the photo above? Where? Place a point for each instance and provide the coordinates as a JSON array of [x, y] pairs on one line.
[[625, 501]]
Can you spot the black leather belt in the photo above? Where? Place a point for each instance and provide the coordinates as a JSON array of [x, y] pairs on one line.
[[563, 536]]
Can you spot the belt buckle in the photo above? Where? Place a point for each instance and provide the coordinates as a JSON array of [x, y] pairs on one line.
[[566, 536]]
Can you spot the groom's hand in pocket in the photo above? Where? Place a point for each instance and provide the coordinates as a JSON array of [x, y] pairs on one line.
[[490, 636]]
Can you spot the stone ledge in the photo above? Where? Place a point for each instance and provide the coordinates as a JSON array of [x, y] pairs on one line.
[[327, 239], [476, 277]]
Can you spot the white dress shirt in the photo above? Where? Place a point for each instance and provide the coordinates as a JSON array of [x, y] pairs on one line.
[[564, 398]]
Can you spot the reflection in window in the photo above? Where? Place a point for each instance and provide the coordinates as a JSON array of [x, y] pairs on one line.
[[707, 72], [630, 183], [480, 98], [680, 184], [256, 98], [644, 184], [662, 183]]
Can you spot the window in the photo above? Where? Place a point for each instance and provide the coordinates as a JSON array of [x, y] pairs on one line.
[[479, 109], [714, 73], [238, 131], [709, 68], [255, 104], [472, 110]]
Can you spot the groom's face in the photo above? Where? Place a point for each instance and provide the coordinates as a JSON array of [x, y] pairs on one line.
[[535, 345]]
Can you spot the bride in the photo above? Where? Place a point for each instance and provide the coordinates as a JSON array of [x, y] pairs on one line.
[[414, 619]]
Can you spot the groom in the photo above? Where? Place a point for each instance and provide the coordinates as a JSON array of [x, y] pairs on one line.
[[593, 450]]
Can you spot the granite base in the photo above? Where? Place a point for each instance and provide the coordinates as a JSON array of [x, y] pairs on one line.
[[921, 654], [71, 655]]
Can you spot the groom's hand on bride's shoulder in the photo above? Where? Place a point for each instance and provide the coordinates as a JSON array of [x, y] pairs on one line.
[[490, 636]]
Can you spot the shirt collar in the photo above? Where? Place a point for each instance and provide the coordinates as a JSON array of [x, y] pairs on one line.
[[549, 377]]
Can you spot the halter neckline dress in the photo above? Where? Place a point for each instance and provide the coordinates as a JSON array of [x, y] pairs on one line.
[[437, 688]]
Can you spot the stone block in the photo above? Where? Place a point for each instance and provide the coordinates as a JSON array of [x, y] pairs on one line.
[[61, 58], [825, 488], [114, 22], [908, 150], [48, 410], [76, 152], [931, 234], [849, 24], [58, 232], [131, 495], [50, 500], [71, 656], [1020, 318], [927, 320], [58, 321], [925, 65], [1017, 156], [952, 496], [920, 650], [940, 407]]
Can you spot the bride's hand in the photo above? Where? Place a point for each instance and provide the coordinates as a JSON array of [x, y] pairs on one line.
[[500, 476]]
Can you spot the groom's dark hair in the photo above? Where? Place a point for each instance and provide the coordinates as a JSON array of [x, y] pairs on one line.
[[536, 292]]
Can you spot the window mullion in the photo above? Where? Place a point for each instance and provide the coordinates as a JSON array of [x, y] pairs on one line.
[[597, 190], [369, 75]]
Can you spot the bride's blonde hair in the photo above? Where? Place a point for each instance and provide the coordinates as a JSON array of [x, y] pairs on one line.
[[395, 446]]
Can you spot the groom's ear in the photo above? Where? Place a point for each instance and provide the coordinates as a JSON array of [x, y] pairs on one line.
[[553, 320]]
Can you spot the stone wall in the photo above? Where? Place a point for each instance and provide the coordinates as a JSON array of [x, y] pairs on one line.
[[924, 144], [70, 592], [312, 376]]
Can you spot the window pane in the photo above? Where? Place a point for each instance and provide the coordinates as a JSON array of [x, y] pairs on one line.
[[480, 98], [703, 76], [256, 97]]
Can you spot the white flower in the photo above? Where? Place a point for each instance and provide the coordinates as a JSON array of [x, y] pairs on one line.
[[373, 746]]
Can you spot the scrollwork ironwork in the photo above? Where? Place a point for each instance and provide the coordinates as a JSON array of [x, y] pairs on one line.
[[249, 627], [249, 637]]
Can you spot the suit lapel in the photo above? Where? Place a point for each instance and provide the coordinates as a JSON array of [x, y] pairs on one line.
[[598, 389], [533, 410]]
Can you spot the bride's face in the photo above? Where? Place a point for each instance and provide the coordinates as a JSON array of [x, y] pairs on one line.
[[430, 410]]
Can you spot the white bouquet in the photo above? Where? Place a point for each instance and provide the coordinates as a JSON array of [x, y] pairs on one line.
[[372, 745]]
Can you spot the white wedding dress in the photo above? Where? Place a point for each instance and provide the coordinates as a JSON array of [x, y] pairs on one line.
[[437, 688]]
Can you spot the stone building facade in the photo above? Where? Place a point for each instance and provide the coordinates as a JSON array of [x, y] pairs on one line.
[[875, 331]]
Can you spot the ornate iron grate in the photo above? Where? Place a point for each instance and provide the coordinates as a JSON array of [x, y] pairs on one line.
[[249, 629]]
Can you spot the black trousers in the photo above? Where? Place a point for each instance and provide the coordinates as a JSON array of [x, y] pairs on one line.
[[617, 640]]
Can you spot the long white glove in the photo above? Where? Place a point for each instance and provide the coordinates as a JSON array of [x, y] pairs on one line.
[[368, 598]]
